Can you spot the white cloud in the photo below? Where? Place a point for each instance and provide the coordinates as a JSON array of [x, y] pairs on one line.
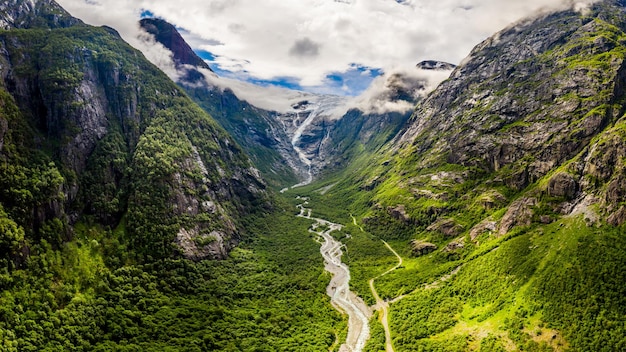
[[381, 96], [309, 39]]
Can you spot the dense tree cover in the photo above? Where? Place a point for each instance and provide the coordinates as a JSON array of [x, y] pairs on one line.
[[566, 278], [110, 282], [269, 295], [86, 236]]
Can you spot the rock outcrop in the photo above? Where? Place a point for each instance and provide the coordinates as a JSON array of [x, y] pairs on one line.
[[563, 185], [319, 134], [420, 248], [519, 213], [15, 14], [533, 116], [447, 227]]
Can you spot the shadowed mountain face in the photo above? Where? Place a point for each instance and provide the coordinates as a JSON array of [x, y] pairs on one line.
[[167, 35], [185, 60], [91, 130]]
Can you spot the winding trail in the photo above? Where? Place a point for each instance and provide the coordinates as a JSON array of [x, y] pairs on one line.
[[338, 289], [382, 305]]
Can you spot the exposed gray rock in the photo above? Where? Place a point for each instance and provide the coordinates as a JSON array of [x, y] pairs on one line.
[[484, 226], [447, 227], [399, 213], [520, 213], [508, 108], [455, 245], [563, 185], [122, 136], [618, 218], [616, 190], [196, 246], [420, 248], [34, 13], [436, 65]]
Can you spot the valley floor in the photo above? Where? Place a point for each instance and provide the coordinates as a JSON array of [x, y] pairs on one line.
[[529, 290]]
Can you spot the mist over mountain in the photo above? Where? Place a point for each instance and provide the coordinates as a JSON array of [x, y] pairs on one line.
[[91, 116]]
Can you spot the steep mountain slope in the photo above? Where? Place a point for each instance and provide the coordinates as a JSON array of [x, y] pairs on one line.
[[107, 172], [30, 14], [535, 101], [255, 129], [505, 194], [94, 132]]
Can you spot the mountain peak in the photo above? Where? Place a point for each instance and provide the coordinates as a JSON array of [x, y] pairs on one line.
[[34, 14], [436, 65], [166, 34]]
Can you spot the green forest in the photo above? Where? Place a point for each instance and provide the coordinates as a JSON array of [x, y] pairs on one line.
[[88, 295]]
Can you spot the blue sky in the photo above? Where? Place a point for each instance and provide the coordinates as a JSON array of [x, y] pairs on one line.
[[352, 82]]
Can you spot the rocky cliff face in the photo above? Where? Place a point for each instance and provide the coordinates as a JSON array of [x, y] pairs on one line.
[[116, 138], [537, 109], [512, 172], [256, 130]]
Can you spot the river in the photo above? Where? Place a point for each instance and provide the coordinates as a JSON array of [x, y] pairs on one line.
[[338, 289]]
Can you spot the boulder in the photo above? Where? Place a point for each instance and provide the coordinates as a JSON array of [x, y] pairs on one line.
[[486, 225], [455, 245], [520, 213], [446, 227], [563, 185], [420, 248], [618, 217]]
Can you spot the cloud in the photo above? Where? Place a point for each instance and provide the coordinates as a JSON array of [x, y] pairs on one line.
[[398, 90], [309, 39], [273, 98], [305, 48]]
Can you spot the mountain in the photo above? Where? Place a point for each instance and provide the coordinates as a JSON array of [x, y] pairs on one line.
[[93, 133], [255, 129], [482, 210], [34, 14], [296, 137], [114, 188], [504, 193]]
